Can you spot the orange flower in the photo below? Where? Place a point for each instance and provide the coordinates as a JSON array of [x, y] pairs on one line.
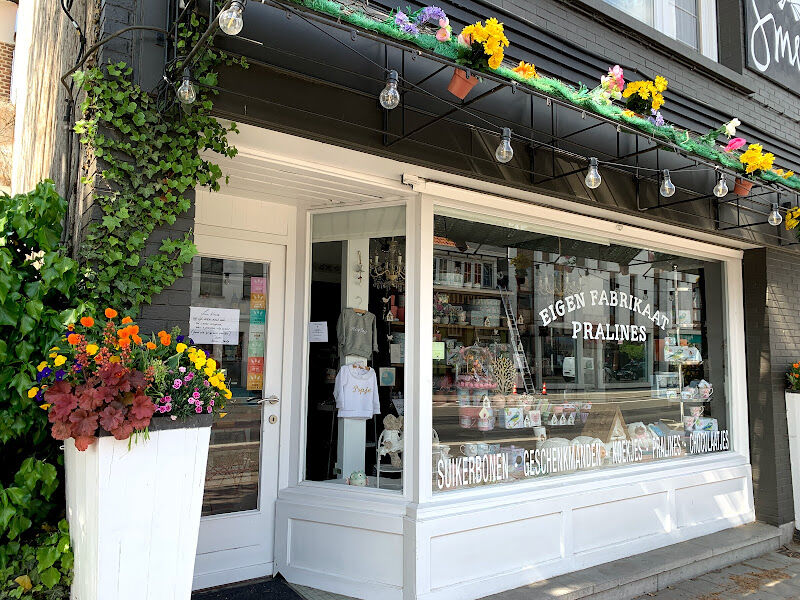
[[136, 339], [74, 339], [98, 359], [124, 343], [166, 340], [127, 320], [134, 329], [110, 313], [161, 333], [87, 321], [151, 346], [796, 365], [71, 327]]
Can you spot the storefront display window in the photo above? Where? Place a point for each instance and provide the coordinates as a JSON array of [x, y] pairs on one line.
[[356, 356], [569, 355], [227, 320]]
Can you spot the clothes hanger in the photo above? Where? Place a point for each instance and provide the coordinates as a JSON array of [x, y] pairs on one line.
[[360, 311]]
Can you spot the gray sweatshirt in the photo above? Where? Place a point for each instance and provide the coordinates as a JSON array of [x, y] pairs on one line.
[[357, 334]]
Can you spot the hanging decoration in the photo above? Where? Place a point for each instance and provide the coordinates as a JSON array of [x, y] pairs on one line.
[[387, 268]]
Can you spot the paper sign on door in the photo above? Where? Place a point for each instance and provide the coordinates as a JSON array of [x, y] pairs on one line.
[[214, 325]]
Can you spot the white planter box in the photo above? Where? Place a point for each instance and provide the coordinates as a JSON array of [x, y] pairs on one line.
[[134, 514], [793, 420]]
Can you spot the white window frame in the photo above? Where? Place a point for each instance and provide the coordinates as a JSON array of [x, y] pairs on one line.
[[665, 22]]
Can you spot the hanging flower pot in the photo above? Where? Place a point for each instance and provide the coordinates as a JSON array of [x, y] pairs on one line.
[[742, 187], [459, 85]]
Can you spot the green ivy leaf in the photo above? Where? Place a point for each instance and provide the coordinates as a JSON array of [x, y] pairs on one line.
[[50, 577]]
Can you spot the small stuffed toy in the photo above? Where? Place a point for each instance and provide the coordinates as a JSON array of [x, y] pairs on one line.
[[358, 479], [393, 439]]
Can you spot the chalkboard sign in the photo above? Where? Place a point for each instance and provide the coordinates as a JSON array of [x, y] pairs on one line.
[[772, 38]]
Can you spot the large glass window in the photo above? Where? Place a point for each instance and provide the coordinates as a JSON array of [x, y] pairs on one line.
[[554, 355], [356, 348]]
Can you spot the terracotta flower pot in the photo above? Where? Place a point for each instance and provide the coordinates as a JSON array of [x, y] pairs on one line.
[[742, 187], [459, 84]]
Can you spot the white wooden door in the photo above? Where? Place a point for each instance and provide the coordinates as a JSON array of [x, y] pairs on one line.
[[237, 529]]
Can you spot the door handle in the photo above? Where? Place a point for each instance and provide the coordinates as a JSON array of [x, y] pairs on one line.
[[272, 400]]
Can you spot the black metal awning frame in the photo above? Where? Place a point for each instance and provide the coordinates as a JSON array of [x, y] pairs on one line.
[[644, 143]]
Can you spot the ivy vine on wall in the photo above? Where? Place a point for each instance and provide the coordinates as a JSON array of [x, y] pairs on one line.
[[149, 158]]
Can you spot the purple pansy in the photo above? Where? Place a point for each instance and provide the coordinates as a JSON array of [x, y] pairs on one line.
[[179, 338], [60, 374]]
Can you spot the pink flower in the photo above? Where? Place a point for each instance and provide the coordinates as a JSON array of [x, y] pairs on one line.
[[211, 403], [618, 76], [182, 369], [198, 409], [167, 407], [735, 144], [174, 418], [210, 409], [442, 35], [196, 395], [177, 384], [205, 383]]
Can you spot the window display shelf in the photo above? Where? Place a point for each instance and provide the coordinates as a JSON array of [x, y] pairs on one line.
[[467, 327]]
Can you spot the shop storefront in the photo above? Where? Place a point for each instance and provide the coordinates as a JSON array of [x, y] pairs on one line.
[[467, 389]]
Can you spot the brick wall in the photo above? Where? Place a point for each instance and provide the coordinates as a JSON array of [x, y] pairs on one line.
[[6, 60], [772, 286]]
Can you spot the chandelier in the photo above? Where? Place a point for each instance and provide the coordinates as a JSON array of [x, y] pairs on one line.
[[550, 286], [386, 268]]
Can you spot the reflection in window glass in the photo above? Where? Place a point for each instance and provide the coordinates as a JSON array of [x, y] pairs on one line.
[[239, 291], [356, 350], [638, 9], [686, 23], [571, 356]]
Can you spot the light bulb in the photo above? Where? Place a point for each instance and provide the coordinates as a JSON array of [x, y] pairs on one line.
[[593, 178], [667, 187], [721, 189], [230, 19], [504, 152], [775, 218], [390, 97], [186, 92]]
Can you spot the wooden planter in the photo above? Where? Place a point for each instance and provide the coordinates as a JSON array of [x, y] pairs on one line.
[[742, 187], [459, 85], [134, 515]]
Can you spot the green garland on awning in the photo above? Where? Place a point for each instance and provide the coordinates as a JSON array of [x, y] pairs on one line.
[[555, 88]]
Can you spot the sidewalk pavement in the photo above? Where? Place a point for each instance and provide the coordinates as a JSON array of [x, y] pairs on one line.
[[773, 576]]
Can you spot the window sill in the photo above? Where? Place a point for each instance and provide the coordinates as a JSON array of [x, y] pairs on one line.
[[641, 32]]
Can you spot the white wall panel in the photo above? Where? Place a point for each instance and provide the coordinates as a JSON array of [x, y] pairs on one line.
[[699, 504], [465, 555], [619, 521]]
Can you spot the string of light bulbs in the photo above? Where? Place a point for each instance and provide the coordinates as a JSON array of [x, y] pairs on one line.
[[231, 22]]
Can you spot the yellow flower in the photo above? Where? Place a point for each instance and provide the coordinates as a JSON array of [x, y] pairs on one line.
[[208, 371], [53, 354], [54, 348], [91, 349], [114, 359], [180, 347], [201, 354], [59, 360], [222, 415], [214, 381], [660, 83], [628, 113], [41, 365], [527, 70], [32, 392], [495, 61], [211, 364], [45, 406], [227, 394], [221, 376], [198, 364]]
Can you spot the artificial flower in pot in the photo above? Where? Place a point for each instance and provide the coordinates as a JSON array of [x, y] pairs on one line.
[[135, 416], [645, 97], [755, 161], [521, 263], [482, 48]]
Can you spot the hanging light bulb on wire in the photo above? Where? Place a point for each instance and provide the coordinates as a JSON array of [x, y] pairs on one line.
[[186, 92], [721, 189], [504, 152], [390, 97], [230, 19], [775, 218], [667, 187], [593, 178]]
